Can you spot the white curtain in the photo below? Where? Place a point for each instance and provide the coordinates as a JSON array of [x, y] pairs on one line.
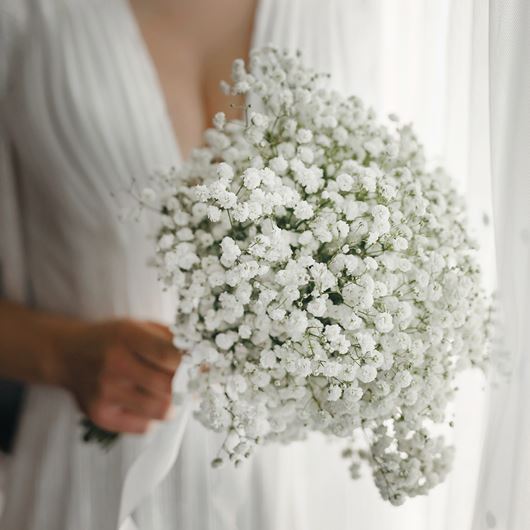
[[502, 501]]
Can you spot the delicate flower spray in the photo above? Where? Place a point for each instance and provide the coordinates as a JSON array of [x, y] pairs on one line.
[[325, 277]]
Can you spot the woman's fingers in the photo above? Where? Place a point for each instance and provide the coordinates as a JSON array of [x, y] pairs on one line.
[[153, 344], [166, 332], [128, 366], [126, 379], [114, 418], [139, 402]]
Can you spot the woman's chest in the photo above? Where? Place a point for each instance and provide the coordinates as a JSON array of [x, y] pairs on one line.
[[191, 46]]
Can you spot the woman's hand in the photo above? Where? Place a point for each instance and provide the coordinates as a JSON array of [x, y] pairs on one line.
[[120, 372]]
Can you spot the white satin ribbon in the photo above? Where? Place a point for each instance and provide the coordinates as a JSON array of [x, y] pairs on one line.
[[156, 460]]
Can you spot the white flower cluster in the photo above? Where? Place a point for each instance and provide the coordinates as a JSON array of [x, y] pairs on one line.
[[325, 277]]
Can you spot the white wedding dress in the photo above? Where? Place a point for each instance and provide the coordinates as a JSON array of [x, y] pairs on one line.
[[83, 116]]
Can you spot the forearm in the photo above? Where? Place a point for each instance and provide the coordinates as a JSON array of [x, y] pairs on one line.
[[31, 344]]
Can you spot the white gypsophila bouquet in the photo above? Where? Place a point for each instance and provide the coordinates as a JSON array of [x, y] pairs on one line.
[[325, 277]]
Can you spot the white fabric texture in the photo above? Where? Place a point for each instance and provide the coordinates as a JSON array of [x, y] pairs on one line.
[[84, 117], [502, 500]]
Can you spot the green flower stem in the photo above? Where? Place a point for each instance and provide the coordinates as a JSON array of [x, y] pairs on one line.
[[93, 433]]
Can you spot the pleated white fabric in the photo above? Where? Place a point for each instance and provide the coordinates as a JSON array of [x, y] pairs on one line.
[[84, 118]]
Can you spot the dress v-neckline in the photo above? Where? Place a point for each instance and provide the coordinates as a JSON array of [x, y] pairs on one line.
[[156, 82]]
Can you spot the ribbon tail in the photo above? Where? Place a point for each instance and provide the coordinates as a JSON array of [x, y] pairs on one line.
[[152, 465]]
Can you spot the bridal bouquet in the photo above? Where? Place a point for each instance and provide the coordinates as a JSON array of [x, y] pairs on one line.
[[326, 280]]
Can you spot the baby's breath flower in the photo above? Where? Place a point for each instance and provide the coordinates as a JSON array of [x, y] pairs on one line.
[[219, 120], [324, 274], [148, 196], [251, 178], [303, 210], [304, 136]]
